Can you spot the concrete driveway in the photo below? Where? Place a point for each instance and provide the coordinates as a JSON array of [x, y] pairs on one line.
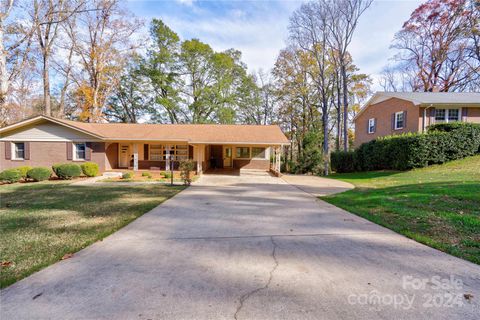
[[250, 247]]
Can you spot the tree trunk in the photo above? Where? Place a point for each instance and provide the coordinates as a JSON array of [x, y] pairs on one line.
[[345, 105], [339, 116], [46, 85], [3, 70]]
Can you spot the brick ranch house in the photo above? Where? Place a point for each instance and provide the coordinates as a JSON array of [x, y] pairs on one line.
[[43, 141], [388, 113]]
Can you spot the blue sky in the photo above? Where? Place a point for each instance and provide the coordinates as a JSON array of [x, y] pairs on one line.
[[259, 28]]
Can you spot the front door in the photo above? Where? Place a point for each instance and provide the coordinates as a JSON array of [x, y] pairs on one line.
[[227, 156], [124, 154]]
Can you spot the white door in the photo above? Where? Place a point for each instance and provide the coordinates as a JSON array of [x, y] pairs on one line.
[[124, 154], [227, 156]]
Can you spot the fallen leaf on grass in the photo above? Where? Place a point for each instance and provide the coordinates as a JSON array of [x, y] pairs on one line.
[[67, 256], [6, 263]]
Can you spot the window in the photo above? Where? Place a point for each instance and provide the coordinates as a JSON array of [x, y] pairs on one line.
[[181, 152], [18, 150], [155, 152], [243, 152], [453, 115], [399, 120], [79, 151], [440, 114], [371, 125], [447, 115], [258, 153]]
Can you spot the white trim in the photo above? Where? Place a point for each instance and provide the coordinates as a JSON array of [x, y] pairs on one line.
[[373, 125], [403, 120], [13, 152], [74, 151]]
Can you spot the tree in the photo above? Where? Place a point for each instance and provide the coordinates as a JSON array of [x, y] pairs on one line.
[[102, 41], [342, 22], [6, 7], [161, 68], [132, 99], [434, 43], [192, 82]]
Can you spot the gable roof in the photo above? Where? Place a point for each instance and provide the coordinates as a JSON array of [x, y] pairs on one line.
[[466, 99], [192, 133]]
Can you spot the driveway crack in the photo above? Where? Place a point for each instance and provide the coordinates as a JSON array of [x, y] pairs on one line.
[[247, 295]]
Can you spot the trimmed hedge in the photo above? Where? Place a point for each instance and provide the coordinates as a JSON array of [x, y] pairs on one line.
[[39, 173], [442, 143], [90, 169], [23, 170], [10, 175], [67, 171], [343, 161]]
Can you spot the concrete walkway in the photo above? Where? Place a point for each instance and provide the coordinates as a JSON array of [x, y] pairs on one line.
[[249, 247]]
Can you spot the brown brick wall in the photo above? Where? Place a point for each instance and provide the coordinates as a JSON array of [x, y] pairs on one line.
[[473, 115], [48, 153], [111, 155], [251, 164], [382, 112]]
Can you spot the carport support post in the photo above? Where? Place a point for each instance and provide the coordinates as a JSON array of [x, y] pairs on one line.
[[277, 159], [135, 157]]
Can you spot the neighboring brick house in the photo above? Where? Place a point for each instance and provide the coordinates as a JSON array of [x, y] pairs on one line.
[[44, 141], [388, 113]]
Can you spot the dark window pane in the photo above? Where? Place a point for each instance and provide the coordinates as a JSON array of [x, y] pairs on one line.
[[258, 153], [19, 150], [243, 152]]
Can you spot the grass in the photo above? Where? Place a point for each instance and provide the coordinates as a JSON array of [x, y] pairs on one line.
[[438, 205], [41, 222]]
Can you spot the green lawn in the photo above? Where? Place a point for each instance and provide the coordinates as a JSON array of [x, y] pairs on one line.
[[41, 222], [438, 206]]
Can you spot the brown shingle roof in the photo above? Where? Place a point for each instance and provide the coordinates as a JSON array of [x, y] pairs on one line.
[[193, 133]]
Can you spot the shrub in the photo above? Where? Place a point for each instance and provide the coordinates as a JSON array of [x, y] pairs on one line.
[[126, 175], [39, 173], [90, 169], [147, 174], [343, 161], [186, 166], [443, 142], [55, 167], [23, 171], [68, 171], [10, 175], [166, 174]]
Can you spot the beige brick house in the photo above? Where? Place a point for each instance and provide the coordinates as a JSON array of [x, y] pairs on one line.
[[388, 113], [43, 141]]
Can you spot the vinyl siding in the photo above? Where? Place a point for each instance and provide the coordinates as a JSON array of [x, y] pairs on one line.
[[46, 132]]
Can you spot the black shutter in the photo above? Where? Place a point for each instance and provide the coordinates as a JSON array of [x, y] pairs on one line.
[[69, 151], [375, 125], [393, 121], [26, 155], [8, 150], [88, 151], [145, 151], [404, 119], [368, 125]]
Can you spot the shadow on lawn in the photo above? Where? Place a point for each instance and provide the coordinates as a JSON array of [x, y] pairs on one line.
[[363, 175]]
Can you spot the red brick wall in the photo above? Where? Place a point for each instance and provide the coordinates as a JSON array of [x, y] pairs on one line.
[[251, 164], [382, 112], [48, 153]]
